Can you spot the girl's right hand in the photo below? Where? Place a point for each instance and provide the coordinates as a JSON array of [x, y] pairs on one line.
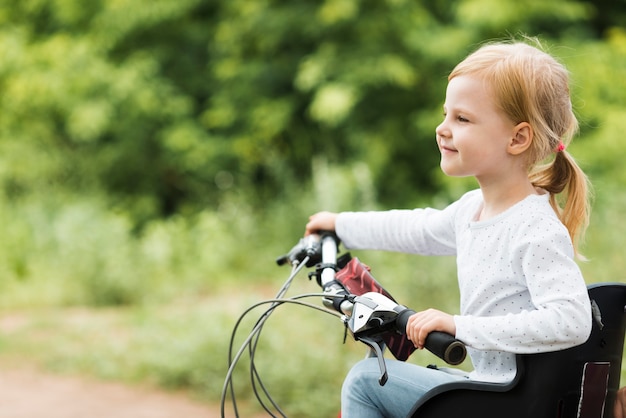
[[321, 221]]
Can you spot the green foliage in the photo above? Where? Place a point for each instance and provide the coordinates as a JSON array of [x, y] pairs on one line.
[[600, 97], [169, 107], [80, 253], [81, 114]]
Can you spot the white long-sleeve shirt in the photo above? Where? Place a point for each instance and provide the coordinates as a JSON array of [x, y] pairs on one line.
[[521, 290]]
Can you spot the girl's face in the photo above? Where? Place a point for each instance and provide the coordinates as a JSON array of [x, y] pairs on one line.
[[474, 135]]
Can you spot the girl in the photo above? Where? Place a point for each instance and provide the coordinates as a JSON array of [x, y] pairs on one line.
[[507, 121]]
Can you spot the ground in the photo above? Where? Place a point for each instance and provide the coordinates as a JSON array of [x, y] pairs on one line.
[[30, 390], [26, 392]]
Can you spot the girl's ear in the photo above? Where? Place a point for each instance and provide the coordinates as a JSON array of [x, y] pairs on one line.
[[522, 138]]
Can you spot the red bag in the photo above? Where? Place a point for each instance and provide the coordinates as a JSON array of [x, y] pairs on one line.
[[357, 279]]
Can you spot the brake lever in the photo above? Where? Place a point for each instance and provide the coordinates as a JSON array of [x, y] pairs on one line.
[[309, 246], [375, 345]]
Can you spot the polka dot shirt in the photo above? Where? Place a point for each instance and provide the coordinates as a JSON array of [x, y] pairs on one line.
[[521, 291]]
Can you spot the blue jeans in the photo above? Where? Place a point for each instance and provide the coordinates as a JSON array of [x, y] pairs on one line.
[[363, 397]]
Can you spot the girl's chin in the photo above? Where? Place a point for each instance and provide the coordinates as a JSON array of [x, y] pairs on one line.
[[451, 171]]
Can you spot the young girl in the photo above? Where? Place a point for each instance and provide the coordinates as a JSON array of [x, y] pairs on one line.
[[507, 121]]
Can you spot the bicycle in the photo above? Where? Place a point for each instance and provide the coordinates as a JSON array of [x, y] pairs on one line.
[[367, 311]]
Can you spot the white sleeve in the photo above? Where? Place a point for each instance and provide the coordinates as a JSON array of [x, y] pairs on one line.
[[419, 231]]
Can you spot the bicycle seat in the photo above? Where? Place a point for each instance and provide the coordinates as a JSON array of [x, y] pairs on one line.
[[578, 382]]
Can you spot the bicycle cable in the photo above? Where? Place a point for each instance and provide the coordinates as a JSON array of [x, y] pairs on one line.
[[256, 330], [252, 340], [296, 268]]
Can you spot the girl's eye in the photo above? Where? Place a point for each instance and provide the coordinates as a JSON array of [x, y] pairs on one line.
[[459, 118]]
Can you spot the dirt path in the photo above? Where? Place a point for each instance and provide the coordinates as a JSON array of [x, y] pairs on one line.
[[28, 393]]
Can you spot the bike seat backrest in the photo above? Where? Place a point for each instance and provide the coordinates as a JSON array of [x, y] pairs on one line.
[[578, 382]]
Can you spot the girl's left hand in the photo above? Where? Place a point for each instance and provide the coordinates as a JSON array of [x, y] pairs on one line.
[[423, 323]]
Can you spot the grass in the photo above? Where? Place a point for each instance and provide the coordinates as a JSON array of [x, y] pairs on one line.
[[83, 293]]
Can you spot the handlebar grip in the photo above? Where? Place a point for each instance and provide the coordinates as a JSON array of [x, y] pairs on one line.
[[403, 318], [446, 347], [441, 344]]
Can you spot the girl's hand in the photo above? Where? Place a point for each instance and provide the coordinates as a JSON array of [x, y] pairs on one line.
[[423, 323], [321, 221]]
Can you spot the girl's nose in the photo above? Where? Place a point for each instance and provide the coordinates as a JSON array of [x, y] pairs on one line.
[[441, 130]]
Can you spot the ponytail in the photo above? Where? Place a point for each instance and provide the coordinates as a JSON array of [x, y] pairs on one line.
[[569, 190]]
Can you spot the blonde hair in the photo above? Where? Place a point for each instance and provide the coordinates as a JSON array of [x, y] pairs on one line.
[[532, 86]]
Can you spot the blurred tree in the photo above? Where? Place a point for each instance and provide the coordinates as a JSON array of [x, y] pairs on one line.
[[353, 80], [89, 103], [599, 79], [606, 15], [168, 105]]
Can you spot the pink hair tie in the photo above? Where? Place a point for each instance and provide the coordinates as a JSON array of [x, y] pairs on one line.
[[560, 147]]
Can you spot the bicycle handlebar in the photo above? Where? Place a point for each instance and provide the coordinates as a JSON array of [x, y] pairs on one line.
[[376, 313], [309, 246], [370, 317]]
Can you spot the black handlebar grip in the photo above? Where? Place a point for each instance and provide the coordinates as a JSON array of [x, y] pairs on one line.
[[446, 347], [441, 344], [403, 318]]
